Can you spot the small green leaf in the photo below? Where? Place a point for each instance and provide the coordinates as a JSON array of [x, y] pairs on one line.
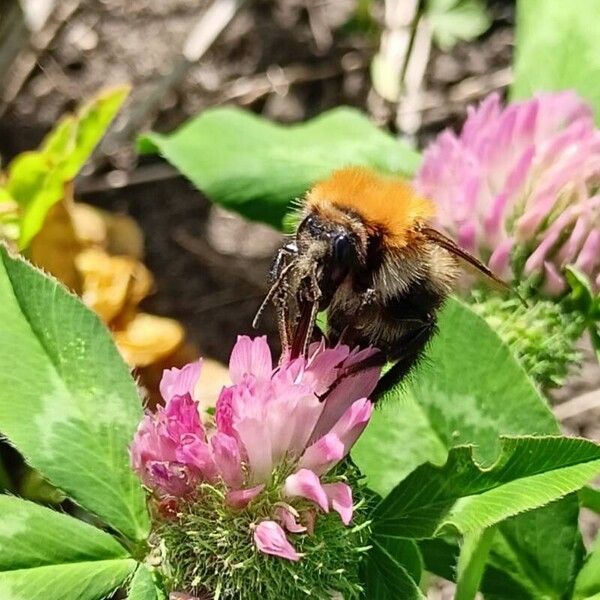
[[67, 399], [557, 35], [452, 21], [73, 140], [587, 584], [45, 555], [36, 180], [467, 497], [392, 570], [143, 586], [257, 168]]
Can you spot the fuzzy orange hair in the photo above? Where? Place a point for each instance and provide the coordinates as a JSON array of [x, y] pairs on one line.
[[385, 204]]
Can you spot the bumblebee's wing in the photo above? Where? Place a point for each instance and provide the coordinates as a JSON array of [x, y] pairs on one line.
[[451, 246]]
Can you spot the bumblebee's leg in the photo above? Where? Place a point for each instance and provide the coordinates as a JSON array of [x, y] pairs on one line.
[[413, 343], [278, 292], [281, 260]]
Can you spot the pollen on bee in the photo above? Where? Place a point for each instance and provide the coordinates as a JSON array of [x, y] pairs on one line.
[[387, 204]]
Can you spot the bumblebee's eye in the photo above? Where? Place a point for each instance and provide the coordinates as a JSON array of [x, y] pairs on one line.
[[342, 249]]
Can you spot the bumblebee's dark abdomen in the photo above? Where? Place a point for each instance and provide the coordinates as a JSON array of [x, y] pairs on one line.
[[400, 327]]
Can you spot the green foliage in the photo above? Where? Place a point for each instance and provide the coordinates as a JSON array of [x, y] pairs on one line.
[[67, 400], [45, 555], [468, 497], [36, 180], [5, 480], [452, 21], [583, 302], [536, 555], [562, 37], [471, 562], [590, 498], [470, 389], [258, 168]]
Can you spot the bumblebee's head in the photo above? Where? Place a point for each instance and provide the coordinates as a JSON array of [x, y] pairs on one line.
[[331, 247]]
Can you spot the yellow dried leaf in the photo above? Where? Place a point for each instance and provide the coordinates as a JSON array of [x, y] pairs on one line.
[[90, 224], [124, 236], [117, 234], [148, 338], [56, 247], [112, 284]]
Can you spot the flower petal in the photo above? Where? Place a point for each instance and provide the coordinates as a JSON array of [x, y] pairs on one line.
[[250, 357], [257, 444], [353, 422], [182, 417], [288, 520], [227, 457], [241, 498], [321, 456], [340, 496], [270, 538], [194, 452], [178, 382], [306, 484], [347, 390]]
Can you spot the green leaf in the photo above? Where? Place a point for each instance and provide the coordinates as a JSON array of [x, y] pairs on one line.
[[559, 36], [466, 496], [392, 570], [257, 168], [534, 555], [452, 21], [398, 439], [143, 586], [440, 556], [73, 140], [587, 584], [36, 180], [45, 555], [67, 400]]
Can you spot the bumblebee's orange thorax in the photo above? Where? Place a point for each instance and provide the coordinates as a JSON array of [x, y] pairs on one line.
[[387, 206]]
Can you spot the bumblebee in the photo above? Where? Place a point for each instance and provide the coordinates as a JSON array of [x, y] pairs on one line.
[[365, 250]]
